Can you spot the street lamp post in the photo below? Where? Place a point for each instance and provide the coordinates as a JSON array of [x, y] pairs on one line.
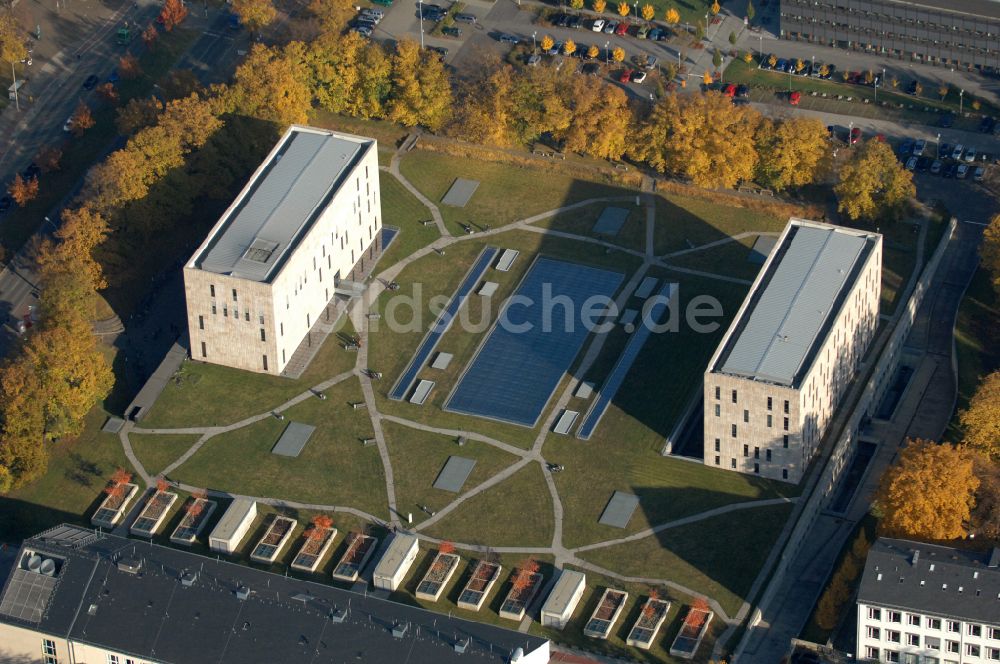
[[533, 47], [937, 147], [961, 93], [607, 53], [17, 104], [420, 9]]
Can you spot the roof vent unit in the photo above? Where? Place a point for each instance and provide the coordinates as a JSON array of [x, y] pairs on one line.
[[517, 656], [242, 592], [48, 567], [34, 562], [916, 557], [188, 578], [460, 646], [129, 565], [338, 615], [994, 558], [399, 630]]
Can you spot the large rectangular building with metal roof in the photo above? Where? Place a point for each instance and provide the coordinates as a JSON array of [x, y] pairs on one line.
[[75, 595], [792, 350], [263, 280]]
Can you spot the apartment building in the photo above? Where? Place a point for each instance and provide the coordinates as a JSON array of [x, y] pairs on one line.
[[953, 33], [791, 352], [308, 218], [926, 604], [76, 596]]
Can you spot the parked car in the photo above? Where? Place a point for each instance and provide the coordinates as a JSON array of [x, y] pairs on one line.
[[978, 173], [956, 152], [376, 14], [949, 170], [598, 25], [440, 50], [91, 82], [560, 20], [962, 171], [506, 38], [923, 163], [638, 76], [794, 98], [986, 124], [855, 135], [465, 18], [363, 30], [574, 22], [829, 72], [384, 3], [970, 154], [936, 167], [643, 31], [451, 31], [918, 147], [610, 27], [780, 65], [625, 76], [556, 49], [911, 164], [905, 149], [912, 88], [650, 63], [534, 59], [816, 66], [742, 91], [765, 62], [68, 125], [944, 150], [654, 34], [621, 29], [729, 90]]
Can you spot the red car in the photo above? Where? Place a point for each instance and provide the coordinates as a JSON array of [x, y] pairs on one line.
[[794, 98], [621, 29], [729, 90], [626, 76], [855, 135]]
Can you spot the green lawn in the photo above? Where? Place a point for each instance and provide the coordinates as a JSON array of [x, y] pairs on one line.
[[417, 458], [333, 469], [977, 350], [506, 192], [728, 259], [486, 518], [70, 491], [720, 556], [581, 222], [156, 452], [388, 134], [401, 209], [899, 257], [213, 395], [684, 222]]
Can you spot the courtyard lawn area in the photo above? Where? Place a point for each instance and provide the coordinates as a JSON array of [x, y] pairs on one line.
[[388, 134], [668, 488], [506, 192], [581, 222], [976, 349], [685, 222], [156, 452], [516, 512], [614, 646], [729, 259], [417, 458], [668, 370], [70, 491], [899, 257], [333, 469], [202, 394], [433, 275], [720, 556], [401, 209]]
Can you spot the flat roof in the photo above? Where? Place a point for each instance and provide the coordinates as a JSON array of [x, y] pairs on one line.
[[234, 517], [935, 580], [280, 203], [561, 597], [792, 304], [152, 616]]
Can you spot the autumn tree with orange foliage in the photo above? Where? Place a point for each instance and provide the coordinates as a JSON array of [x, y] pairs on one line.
[[82, 119], [320, 524], [22, 190], [108, 93], [173, 14], [128, 66], [162, 484], [697, 614], [195, 506], [928, 493], [119, 479], [523, 577], [446, 547], [149, 36]]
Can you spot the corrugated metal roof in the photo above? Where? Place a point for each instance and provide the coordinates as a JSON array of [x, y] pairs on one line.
[[778, 332], [280, 203]]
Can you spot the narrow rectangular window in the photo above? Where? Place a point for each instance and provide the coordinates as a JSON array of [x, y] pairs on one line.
[[282, 354], [718, 392], [261, 319], [786, 406], [786, 424], [211, 290], [718, 410], [746, 450], [734, 431], [756, 452], [113, 659], [234, 295], [734, 396], [225, 311], [201, 322], [770, 423], [768, 454], [717, 444], [265, 363], [716, 459], [213, 308], [247, 319], [732, 463], [281, 329], [784, 441], [203, 351], [746, 415], [769, 403], [784, 473], [263, 337]]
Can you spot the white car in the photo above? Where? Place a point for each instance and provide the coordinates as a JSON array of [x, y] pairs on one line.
[[970, 155], [598, 25], [962, 172], [68, 125], [918, 148], [956, 154]]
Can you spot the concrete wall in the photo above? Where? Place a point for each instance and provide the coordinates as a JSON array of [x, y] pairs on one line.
[[840, 455], [271, 319], [25, 645]]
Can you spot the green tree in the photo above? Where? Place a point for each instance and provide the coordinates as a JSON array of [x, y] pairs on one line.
[[732, 38], [750, 12], [873, 184], [699, 29], [940, 508], [717, 59]]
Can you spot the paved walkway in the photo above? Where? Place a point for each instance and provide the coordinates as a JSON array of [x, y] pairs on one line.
[[358, 312]]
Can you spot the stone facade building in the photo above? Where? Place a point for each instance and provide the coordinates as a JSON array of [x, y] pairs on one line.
[[792, 350], [309, 217]]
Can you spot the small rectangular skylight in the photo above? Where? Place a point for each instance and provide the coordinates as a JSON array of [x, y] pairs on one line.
[[260, 250]]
